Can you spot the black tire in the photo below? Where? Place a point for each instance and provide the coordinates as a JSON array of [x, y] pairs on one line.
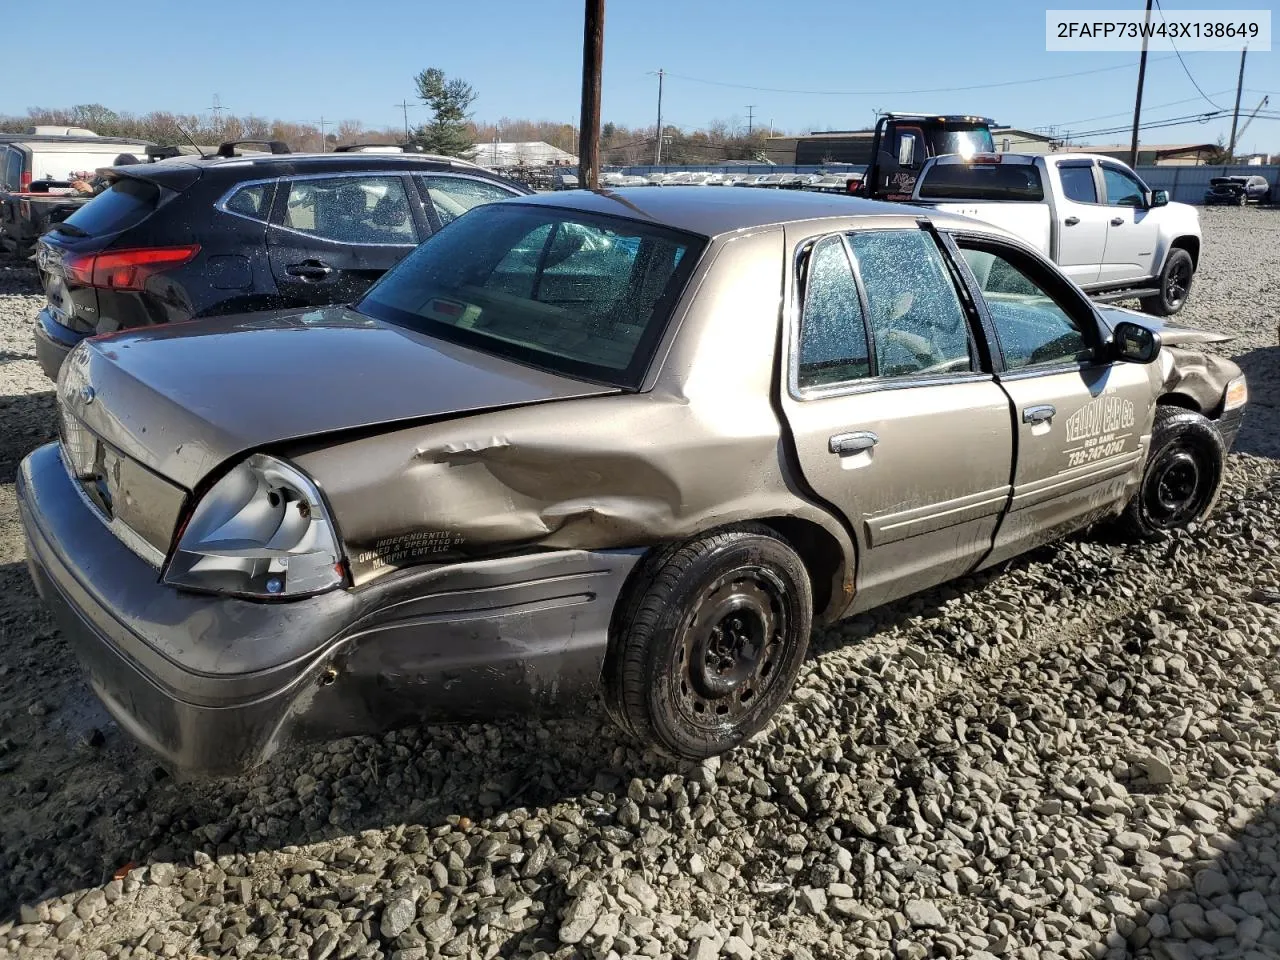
[[708, 642], [1182, 476], [1242, 200], [1175, 285]]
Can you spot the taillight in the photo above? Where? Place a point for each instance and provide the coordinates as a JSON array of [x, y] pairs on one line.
[[24, 182], [78, 268], [124, 269]]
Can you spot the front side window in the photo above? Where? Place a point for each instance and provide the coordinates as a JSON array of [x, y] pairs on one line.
[[918, 324], [454, 196], [833, 335], [351, 210], [1078, 183], [1033, 328], [1123, 190], [581, 295]]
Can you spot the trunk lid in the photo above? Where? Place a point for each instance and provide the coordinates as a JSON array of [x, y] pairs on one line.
[[183, 398]]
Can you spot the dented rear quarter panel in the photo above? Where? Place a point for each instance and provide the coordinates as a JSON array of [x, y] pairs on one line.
[[699, 446]]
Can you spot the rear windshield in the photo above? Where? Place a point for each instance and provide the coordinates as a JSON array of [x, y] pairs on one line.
[[124, 204], [982, 181], [585, 296]]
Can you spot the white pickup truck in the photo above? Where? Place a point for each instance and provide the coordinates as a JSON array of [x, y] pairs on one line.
[[1092, 216]]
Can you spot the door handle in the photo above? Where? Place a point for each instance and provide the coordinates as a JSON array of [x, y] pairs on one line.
[[309, 270], [1071, 221], [1041, 414], [846, 444], [1117, 222]]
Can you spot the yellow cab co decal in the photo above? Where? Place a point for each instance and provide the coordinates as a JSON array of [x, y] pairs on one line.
[[1099, 429]]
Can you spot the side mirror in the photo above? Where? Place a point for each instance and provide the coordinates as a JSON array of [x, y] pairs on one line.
[[1159, 198], [1133, 343]]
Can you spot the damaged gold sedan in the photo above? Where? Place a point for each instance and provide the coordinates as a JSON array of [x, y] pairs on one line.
[[636, 442]]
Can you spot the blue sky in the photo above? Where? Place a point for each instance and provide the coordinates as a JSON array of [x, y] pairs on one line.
[[303, 59]]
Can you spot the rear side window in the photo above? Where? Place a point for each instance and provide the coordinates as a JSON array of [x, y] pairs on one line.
[[126, 203], [1078, 184], [833, 335], [251, 201], [351, 210], [454, 196], [983, 181]]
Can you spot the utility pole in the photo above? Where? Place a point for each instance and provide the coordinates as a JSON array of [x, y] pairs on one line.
[[324, 146], [404, 104], [592, 67], [1137, 103], [1235, 117], [216, 110], [657, 154], [750, 119]]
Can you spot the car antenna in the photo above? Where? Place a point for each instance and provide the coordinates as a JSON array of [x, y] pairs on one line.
[[191, 138]]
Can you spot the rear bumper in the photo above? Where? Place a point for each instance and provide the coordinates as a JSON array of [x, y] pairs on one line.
[[53, 343], [215, 685]]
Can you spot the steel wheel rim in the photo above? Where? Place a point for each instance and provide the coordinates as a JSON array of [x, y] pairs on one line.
[[1179, 282], [729, 650], [1174, 491]]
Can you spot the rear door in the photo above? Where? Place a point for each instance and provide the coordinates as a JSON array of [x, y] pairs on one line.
[[1131, 230], [1082, 220], [332, 236], [1082, 423], [894, 421]]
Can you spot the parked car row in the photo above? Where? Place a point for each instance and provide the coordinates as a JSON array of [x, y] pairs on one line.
[[822, 182]]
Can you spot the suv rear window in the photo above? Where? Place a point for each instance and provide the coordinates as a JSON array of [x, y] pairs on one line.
[[581, 295], [982, 181], [124, 204]]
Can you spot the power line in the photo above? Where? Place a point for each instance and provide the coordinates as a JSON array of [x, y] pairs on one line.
[[905, 93], [1184, 65], [1125, 113]]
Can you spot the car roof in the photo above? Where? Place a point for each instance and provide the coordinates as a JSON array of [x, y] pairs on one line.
[[711, 213]]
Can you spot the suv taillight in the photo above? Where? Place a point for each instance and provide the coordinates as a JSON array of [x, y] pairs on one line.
[[125, 269], [24, 181]]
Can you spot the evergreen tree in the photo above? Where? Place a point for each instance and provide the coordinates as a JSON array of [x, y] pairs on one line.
[[448, 132]]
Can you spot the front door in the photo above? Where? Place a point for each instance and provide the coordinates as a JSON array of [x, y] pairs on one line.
[[331, 237], [894, 423], [1131, 229], [1083, 424]]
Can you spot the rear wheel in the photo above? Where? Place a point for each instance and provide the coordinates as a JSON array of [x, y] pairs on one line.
[[1175, 284], [1182, 477], [710, 642]]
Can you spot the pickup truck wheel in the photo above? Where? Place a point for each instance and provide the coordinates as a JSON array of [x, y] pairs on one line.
[[709, 643], [1182, 477], [1175, 285]]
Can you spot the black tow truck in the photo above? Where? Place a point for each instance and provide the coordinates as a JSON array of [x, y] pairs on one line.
[[904, 141]]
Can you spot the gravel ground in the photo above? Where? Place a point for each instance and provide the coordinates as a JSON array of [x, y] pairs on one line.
[[1075, 756]]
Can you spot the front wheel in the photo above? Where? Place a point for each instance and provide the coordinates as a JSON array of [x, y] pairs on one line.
[[710, 641], [1175, 285], [1182, 477]]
